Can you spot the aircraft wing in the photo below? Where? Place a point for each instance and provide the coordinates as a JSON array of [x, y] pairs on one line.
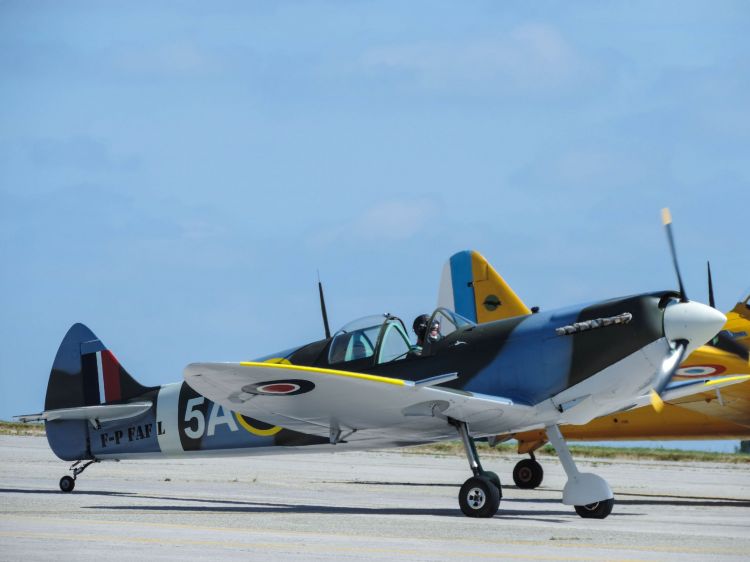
[[337, 403], [731, 403], [695, 390]]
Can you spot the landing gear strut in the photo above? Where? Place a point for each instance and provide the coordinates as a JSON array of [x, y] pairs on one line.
[[528, 473], [480, 495], [588, 493], [67, 483]]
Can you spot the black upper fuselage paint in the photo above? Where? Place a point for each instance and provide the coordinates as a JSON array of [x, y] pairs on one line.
[[595, 350], [472, 351]]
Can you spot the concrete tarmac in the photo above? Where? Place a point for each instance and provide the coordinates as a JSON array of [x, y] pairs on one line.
[[358, 506]]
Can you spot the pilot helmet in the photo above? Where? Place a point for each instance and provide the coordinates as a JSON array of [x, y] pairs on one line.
[[420, 325]]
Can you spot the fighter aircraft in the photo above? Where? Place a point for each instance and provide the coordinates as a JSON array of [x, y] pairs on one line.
[[471, 286], [368, 387]]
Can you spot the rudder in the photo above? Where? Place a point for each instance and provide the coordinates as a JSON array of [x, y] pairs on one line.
[[84, 373], [471, 287]]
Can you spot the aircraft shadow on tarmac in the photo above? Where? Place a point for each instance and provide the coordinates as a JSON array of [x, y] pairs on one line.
[[239, 506], [264, 507], [412, 484], [643, 499]]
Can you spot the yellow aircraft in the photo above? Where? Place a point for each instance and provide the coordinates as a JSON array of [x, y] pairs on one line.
[[470, 286]]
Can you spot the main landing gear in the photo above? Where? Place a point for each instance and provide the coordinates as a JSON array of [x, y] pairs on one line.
[[528, 473], [67, 483], [480, 495], [588, 493]]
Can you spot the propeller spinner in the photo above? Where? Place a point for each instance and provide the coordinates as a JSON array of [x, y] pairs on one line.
[[687, 325]]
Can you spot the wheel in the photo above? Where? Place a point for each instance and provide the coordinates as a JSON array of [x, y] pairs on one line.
[[479, 497], [528, 474], [67, 484], [598, 510], [495, 479]]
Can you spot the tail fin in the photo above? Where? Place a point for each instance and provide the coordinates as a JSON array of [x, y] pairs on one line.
[[85, 373], [472, 288]]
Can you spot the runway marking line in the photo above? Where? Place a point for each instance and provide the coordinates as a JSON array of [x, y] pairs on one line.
[[272, 531]]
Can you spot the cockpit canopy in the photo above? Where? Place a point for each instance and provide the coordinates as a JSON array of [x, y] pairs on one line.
[[385, 338], [447, 321]]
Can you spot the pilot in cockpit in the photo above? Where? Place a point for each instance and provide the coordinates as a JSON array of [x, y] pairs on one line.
[[434, 334], [420, 328]]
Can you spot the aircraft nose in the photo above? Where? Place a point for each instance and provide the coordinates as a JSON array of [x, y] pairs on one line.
[[692, 321]]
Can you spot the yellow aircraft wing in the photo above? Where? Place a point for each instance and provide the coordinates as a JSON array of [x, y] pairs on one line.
[[731, 404]]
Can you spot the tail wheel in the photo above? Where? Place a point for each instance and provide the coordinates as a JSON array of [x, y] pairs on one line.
[[479, 497], [67, 483], [598, 510], [528, 474]]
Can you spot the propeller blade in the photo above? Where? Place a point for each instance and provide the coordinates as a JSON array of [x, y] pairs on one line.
[[711, 300], [668, 369], [666, 218], [656, 402]]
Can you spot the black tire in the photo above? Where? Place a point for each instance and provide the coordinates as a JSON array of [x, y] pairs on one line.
[[598, 510], [528, 474], [67, 484], [495, 479], [479, 497]]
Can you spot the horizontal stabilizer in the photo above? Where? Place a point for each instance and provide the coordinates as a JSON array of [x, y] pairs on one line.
[[101, 414]]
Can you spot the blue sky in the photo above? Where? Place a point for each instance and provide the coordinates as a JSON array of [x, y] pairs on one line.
[[174, 174]]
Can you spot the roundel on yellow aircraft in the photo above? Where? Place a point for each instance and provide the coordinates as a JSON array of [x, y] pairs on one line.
[[700, 371]]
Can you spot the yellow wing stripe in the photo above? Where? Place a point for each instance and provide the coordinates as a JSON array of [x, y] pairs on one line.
[[738, 378], [298, 368]]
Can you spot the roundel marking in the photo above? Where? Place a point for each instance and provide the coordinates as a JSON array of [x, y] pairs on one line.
[[700, 371], [491, 302], [278, 388], [257, 427], [284, 387]]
